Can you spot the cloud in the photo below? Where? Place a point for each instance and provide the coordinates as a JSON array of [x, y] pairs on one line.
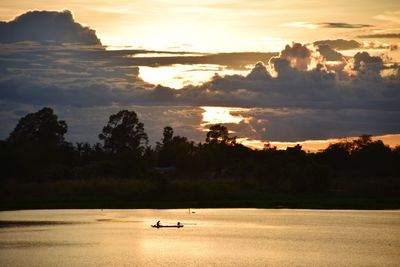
[[47, 26], [381, 35], [364, 62], [343, 25], [338, 25], [301, 24], [294, 124], [298, 55], [302, 103], [328, 53], [259, 72], [237, 60], [289, 96], [340, 44], [392, 17]]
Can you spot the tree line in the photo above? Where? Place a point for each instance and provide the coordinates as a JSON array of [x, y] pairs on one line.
[[36, 151]]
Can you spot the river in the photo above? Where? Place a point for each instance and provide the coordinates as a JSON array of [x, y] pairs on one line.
[[210, 237]]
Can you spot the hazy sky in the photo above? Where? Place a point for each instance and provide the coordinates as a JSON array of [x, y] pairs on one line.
[[312, 87], [230, 25]]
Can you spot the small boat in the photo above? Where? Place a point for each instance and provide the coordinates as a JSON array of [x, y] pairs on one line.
[[167, 226]]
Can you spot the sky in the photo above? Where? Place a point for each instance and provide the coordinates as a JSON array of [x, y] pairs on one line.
[[272, 71], [220, 26]]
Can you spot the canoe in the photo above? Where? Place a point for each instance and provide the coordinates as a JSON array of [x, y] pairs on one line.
[[167, 226]]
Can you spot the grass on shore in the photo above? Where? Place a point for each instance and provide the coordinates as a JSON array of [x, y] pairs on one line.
[[213, 193]]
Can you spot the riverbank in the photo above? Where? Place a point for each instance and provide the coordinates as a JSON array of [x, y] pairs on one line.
[[277, 202], [112, 193]]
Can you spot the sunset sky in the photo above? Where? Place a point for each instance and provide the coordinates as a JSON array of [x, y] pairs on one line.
[[173, 63], [221, 26]]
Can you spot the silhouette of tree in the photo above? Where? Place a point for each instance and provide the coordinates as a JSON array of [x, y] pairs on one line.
[[125, 143], [174, 150], [362, 142], [339, 149], [41, 127], [217, 169], [167, 134], [124, 133], [219, 134], [268, 147], [37, 146], [84, 150]]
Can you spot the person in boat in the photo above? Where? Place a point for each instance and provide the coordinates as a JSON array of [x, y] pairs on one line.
[[179, 224], [158, 224]]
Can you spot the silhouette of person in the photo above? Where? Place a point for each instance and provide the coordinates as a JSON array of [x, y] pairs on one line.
[[179, 223], [158, 224]]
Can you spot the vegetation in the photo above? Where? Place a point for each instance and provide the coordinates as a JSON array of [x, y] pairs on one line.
[[42, 170]]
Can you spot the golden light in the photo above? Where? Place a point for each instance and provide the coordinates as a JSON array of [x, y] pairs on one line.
[[216, 26], [215, 115], [392, 140], [164, 55], [178, 75]]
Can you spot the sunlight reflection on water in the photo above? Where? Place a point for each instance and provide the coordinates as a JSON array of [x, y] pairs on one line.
[[211, 237]]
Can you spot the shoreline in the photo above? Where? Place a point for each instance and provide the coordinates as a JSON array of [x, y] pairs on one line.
[[312, 203]]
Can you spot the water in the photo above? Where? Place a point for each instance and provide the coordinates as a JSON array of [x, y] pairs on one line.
[[210, 237]]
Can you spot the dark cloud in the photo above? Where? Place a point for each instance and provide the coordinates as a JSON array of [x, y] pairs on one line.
[[381, 35], [315, 89], [47, 26], [329, 54], [302, 104], [298, 55], [293, 124], [232, 60], [343, 25], [259, 72], [293, 96], [364, 62], [340, 44]]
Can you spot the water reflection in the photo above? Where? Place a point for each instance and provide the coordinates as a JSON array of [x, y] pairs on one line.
[[39, 244], [113, 220], [9, 224], [211, 237]]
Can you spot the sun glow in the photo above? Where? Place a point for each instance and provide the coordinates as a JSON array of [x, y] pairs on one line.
[[213, 26], [177, 76], [214, 115], [158, 55], [179, 28]]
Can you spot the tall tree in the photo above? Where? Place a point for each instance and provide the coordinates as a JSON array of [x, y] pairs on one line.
[[124, 133], [168, 133], [38, 146], [174, 150], [219, 134], [41, 128]]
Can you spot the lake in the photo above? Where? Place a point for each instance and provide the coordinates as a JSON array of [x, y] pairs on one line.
[[210, 237]]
